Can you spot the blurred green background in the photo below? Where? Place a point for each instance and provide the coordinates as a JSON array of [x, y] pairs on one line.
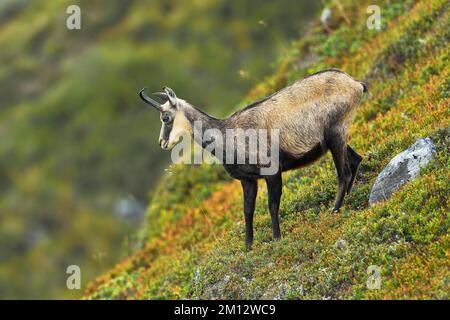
[[78, 150]]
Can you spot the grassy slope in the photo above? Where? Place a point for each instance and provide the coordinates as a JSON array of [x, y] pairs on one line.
[[195, 250]]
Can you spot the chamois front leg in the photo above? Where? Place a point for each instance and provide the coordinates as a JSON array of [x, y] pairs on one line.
[[274, 189], [250, 188]]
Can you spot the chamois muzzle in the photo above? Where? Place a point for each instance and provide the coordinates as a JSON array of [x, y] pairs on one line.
[[149, 100]]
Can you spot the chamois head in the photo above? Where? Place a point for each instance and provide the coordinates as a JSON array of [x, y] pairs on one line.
[[173, 119]]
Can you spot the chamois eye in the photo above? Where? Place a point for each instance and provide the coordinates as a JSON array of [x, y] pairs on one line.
[[166, 118]]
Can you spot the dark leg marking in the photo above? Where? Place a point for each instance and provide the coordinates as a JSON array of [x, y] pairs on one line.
[[250, 188], [274, 189], [354, 160], [338, 148]]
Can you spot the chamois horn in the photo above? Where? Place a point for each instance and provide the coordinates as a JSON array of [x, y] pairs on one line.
[[149, 100]]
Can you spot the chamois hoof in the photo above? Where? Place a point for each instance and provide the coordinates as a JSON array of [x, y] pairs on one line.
[[335, 210]]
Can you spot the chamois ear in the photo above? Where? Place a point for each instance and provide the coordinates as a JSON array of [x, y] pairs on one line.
[[162, 96], [171, 96]]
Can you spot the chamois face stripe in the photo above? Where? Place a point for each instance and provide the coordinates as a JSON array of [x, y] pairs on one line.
[[172, 131]]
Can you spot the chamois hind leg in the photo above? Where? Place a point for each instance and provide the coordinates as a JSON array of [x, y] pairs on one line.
[[338, 148], [250, 188], [274, 190], [354, 160]]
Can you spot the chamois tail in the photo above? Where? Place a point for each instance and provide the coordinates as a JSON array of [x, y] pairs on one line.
[[365, 86]]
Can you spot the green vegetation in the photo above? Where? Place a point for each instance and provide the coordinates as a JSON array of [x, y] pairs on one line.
[[75, 138], [192, 247]]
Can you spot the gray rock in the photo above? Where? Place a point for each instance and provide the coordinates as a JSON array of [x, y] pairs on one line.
[[402, 168], [325, 16], [130, 210]]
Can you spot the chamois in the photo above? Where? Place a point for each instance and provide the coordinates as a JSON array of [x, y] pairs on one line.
[[312, 116]]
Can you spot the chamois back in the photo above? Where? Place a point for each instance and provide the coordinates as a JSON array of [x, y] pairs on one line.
[[305, 110]]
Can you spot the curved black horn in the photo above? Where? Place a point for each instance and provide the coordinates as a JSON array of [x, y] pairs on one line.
[[149, 100]]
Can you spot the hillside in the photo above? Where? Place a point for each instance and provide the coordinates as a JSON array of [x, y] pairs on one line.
[[192, 245]]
